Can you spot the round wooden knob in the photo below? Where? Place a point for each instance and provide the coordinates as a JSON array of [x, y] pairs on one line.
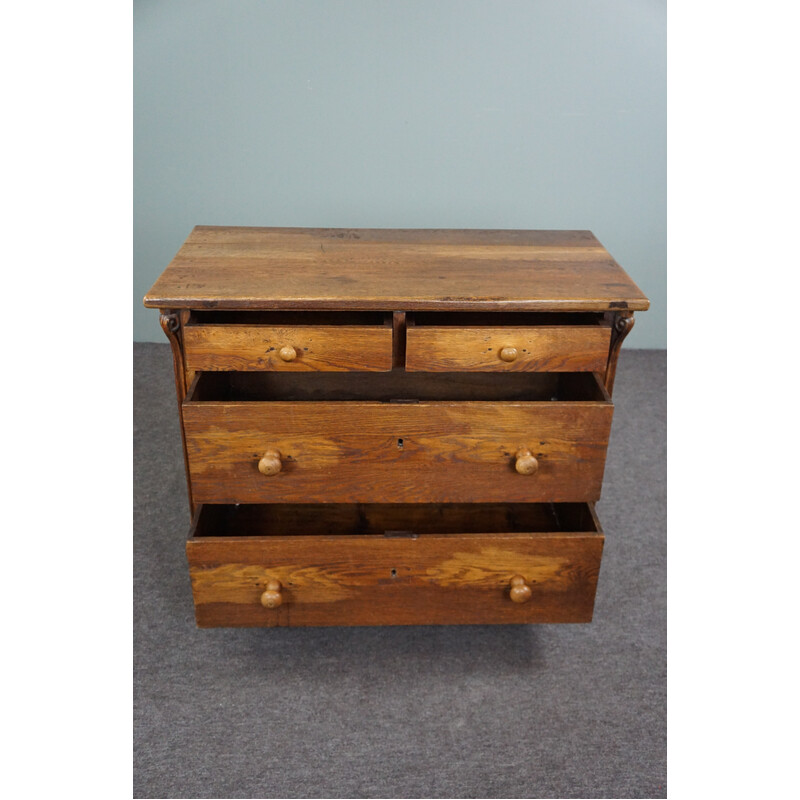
[[508, 353], [526, 463], [272, 597], [520, 591], [270, 463], [288, 353]]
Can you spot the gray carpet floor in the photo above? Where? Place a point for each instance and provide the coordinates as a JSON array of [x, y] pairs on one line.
[[420, 712]]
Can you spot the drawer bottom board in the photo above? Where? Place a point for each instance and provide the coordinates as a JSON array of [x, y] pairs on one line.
[[397, 577]]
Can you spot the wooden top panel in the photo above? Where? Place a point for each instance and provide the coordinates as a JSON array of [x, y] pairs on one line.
[[386, 270]]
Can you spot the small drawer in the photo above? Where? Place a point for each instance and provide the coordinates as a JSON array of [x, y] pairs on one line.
[[507, 342], [312, 565], [396, 437], [288, 342]]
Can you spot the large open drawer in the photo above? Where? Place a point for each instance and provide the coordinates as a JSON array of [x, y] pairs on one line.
[[264, 442], [348, 564]]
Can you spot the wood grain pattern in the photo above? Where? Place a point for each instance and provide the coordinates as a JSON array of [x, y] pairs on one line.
[[378, 580], [378, 452], [259, 347], [394, 427], [390, 270], [544, 349]]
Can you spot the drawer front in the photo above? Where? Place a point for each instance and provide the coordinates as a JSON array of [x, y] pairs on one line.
[[381, 452], [376, 580], [554, 348], [297, 348]]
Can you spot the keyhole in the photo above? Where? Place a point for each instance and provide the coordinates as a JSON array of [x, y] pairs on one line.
[[399, 444], [394, 573]]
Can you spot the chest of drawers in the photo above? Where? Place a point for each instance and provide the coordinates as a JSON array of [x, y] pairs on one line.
[[394, 426]]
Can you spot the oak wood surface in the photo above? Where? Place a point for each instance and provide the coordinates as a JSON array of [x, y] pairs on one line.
[[380, 580], [300, 348], [341, 489], [391, 270], [378, 452], [542, 349]]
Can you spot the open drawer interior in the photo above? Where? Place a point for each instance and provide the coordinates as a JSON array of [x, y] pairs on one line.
[[512, 319], [388, 564], [392, 519], [397, 386], [290, 318]]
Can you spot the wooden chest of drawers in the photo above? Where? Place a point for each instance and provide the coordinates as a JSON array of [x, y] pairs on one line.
[[394, 426]]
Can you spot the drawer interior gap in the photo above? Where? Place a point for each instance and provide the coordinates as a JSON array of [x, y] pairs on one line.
[[396, 387], [391, 519], [290, 318], [398, 339], [466, 319]]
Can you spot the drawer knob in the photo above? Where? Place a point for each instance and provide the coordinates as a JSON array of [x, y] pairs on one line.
[[272, 597], [270, 463], [508, 353], [520, 591], [288, 353], [526, 463]]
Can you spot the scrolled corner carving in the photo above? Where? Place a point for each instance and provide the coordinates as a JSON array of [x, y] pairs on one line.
[[170, 322], [621, 326]]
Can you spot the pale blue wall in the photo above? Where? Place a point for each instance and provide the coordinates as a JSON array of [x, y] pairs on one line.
[[410, 113]]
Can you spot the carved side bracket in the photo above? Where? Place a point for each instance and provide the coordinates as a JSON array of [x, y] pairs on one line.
[[621, 325], [172, 324]]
